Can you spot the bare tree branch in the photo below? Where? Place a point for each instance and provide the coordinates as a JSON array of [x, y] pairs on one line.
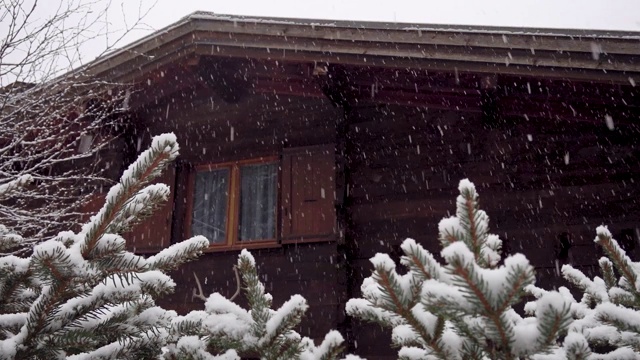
[[55, 128], [199, 294]]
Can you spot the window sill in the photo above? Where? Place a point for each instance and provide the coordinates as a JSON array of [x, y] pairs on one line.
[[271, 244], [248, 246]]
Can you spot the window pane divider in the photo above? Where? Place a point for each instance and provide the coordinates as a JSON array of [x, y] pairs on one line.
[[234, 196]]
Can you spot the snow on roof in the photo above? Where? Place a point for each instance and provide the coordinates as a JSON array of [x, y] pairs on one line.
[[207, 15]]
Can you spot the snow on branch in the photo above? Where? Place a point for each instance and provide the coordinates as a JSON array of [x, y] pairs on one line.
[[257, 332], [148, 166], [461, 309], [7, 188], [84, 296]]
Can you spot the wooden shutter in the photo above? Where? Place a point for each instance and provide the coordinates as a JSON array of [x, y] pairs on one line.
[[308, 194], [154, 233]]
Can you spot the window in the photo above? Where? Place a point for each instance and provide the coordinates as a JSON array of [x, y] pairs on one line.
[[235, 203], [257, 218], [210, 205], [86, 141], [264, 202]]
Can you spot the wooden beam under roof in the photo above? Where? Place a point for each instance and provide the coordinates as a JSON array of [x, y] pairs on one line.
[[518, 95]]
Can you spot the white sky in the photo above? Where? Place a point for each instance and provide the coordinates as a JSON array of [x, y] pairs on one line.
[[589, 14]]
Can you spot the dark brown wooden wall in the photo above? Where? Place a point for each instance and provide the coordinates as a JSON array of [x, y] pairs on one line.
[[536, 179], [311, 270], [211, 130]]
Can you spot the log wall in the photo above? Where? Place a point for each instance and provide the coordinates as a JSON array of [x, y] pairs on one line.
[[210, 130], [537, 179], [398, 166]]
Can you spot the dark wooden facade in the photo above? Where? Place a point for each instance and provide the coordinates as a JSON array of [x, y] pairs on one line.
[[544, 124]]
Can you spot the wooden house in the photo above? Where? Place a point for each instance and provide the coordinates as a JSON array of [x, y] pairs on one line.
[[317, 144]]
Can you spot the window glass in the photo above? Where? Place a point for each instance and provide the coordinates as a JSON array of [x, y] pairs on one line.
[[85, 143], [257, 202], [210, 203]]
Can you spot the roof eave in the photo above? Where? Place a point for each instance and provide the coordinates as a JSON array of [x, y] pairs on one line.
[[321, 38]]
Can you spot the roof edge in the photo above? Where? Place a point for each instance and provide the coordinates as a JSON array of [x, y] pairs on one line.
[[410, 26], [193, 22]]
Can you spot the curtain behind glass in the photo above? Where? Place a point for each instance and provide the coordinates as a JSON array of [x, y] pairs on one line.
[[257, 202], [210, 205]]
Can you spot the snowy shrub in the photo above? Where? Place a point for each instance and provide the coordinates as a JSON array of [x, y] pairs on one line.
[[607, 317], [225, 330], [462, 309], [82, 295]]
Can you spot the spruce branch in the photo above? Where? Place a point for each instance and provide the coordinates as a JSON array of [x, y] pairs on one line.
[[518, 278], [394, 297], [450, 231], [420, 261], [77, 284], [177, 254], [259, 302], [594, 291], [149, 165], [620, 260], [472, 220], [366, 310], [464, 309], [330, 348], [257, 332], [606, 318], [554, 317], [606, 268], [137, 208], [622, 318], [576, 347], [476, 289]]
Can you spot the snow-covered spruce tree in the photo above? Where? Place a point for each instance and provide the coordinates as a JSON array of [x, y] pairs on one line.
[[82, 295], [607, 317], [224, 330], [463, 309]]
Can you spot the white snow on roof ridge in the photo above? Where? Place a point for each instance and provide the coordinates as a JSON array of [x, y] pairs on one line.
[[379, 25], [525, 31], [205, 15]]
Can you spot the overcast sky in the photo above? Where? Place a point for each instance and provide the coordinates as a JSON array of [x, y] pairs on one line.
[[573, 14], [590, 14]]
